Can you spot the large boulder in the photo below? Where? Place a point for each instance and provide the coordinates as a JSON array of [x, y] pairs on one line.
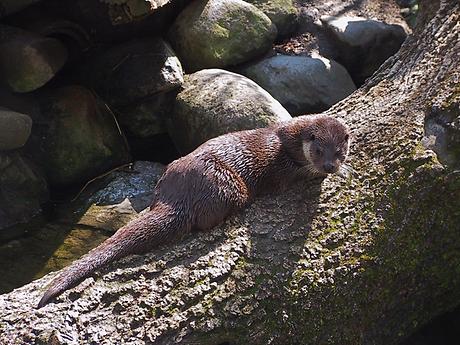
[[136, 69], [28, 61], [302, 84], [214, 102], [22, 192], [218, 33], [363, 44], [282, 13], [80, 137], [14, 129]]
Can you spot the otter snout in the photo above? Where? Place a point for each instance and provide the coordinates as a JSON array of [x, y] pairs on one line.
[[329, 167]]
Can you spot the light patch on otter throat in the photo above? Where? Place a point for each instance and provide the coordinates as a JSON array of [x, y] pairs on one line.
[[306, 150]]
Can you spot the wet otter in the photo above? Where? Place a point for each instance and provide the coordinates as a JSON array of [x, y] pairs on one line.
[[221, 176]]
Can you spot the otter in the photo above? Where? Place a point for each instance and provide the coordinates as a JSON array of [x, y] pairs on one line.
[[201, 189]]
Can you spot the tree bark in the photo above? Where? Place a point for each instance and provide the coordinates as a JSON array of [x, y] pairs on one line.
[[360, 261]]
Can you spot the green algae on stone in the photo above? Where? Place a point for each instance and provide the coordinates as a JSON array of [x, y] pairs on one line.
[[282, 13], [82, 139], [220, 33]]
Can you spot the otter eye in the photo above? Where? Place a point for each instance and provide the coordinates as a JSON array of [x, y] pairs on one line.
[[312, 137], [319, 152]]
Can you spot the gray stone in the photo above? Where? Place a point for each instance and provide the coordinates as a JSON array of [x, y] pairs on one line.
[[111, 201], [363, 44], [218, 33], [28, 61], [80, 139], [302, 84], [14, 129], [282, 13], [214, 102], [136, 69]]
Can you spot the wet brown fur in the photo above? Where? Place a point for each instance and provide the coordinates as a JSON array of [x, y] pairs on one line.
[[221, 176]]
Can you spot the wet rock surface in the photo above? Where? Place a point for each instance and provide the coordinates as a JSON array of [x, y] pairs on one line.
[[219, 33], [302, 84], [109, 202], [214, 102]]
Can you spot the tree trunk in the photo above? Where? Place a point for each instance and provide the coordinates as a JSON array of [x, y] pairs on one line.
[[360, 261]]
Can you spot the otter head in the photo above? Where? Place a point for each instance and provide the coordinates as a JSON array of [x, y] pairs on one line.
[[325, 143]]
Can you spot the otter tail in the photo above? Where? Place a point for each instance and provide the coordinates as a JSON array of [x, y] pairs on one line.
[[158, 226]]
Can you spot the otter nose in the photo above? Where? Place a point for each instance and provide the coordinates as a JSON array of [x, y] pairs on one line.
[[328, 167]]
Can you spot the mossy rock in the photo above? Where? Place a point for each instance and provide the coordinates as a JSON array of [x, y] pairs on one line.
[[82, 139], [215, 102], [219, 33], [282, 13]]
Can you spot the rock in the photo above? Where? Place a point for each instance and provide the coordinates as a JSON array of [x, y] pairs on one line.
[[80, 139], [28, 61], [282, 13], [110, 202], [363, 44], [218, 33], [136, 69], [14, 129], [22, 191], [302, 84], [214, 102], [145, 118]]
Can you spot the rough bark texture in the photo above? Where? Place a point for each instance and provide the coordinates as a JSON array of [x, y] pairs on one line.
[[364, 261]]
